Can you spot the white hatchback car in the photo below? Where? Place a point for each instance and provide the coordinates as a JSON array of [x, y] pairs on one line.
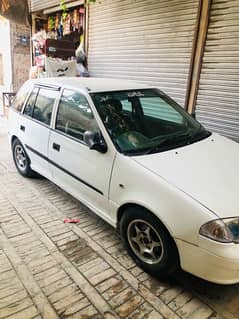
[[138, 160]]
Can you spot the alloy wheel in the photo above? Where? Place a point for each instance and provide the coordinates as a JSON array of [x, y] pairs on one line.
[[145, 241], [20, 157]]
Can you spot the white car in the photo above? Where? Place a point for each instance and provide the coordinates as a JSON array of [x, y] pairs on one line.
[[139, 161]]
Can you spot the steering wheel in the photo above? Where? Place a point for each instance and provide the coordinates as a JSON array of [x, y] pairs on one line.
[[131, 139]]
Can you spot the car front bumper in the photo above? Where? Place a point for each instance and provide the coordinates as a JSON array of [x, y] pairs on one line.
[[212, 261]]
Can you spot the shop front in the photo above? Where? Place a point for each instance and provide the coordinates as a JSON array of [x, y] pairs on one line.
[[58, 38]]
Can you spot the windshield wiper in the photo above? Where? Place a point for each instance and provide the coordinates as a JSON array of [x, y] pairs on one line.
[[164, 142], [178, 140], [199, 135], [172, 141]]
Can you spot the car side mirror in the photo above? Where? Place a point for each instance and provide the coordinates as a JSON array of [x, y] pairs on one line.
[[95, 141]]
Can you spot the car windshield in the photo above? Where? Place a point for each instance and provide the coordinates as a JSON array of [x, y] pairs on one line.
[[145, 121]]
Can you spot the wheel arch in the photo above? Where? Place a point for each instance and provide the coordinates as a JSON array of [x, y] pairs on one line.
[[125, 206], [13, 138]]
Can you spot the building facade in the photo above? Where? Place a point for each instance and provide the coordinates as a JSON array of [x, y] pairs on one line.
[[5, 59], [217, 101], [189, 48], [15, 58], [20, 52]]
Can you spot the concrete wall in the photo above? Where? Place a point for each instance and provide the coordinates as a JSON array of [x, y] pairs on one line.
[[21, 57], [16, 57]]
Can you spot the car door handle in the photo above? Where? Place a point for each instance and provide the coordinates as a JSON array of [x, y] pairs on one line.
[[22, 128], [56, 147]]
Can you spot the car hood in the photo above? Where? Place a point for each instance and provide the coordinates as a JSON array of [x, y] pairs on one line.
[[207, 170]]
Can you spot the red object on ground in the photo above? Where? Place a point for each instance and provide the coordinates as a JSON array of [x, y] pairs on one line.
[[69, 220]]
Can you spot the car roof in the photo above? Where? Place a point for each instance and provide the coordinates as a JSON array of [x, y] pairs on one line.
[[91, 84]]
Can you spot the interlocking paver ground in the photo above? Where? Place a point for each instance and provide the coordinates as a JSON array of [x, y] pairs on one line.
[[49, 269]]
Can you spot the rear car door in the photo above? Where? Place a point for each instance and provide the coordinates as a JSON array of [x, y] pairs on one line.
[[82, 172], [34, 127]]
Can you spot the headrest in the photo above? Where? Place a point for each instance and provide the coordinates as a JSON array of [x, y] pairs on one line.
[[116, 104]]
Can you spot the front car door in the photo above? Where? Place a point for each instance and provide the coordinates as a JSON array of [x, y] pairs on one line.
[[34, 127], [82, 172]]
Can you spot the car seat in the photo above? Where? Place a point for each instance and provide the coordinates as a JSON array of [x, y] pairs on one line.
[[114, 118]]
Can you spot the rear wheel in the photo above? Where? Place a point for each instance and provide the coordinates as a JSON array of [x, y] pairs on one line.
[[148, 242], [21, 159]]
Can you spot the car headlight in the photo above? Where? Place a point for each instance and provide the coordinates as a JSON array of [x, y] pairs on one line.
[[222, 230]]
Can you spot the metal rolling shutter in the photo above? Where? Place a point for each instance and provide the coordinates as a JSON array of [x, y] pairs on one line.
[[38, 5], [217, 104], [148, 41]]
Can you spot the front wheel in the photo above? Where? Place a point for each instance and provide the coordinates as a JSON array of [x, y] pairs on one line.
[[148, 242], [21, 159]]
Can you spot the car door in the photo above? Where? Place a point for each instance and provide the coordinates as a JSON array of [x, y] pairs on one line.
[[82, 172], [34, 127]]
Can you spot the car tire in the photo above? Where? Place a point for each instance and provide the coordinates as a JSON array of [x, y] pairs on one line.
[[148, 242], [21, 159]]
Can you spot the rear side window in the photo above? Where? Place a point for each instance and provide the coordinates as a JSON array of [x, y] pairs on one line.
[[18, 102], [75, 115], [44, 103], [31, 102]]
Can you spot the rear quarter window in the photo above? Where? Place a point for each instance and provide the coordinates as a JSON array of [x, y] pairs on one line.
[[20, 98]]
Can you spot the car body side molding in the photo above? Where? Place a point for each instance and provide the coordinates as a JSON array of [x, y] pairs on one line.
[[63, 169]]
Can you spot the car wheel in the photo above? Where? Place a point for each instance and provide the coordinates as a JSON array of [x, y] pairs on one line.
[[148, 242], [21, 159]]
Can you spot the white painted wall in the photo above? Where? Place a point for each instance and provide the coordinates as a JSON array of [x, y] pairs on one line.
[[5, 50]]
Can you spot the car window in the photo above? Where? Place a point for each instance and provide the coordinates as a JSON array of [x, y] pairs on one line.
[[31, 102], [127, 106], [75, 115], [44, 104], [142, 121], [20, 98]]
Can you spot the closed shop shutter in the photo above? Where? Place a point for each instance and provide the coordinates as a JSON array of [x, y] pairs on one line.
[[38, 5], [217, 104], [148, 41]]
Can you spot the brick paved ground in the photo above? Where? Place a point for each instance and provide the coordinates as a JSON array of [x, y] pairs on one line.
[[51, 270]]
